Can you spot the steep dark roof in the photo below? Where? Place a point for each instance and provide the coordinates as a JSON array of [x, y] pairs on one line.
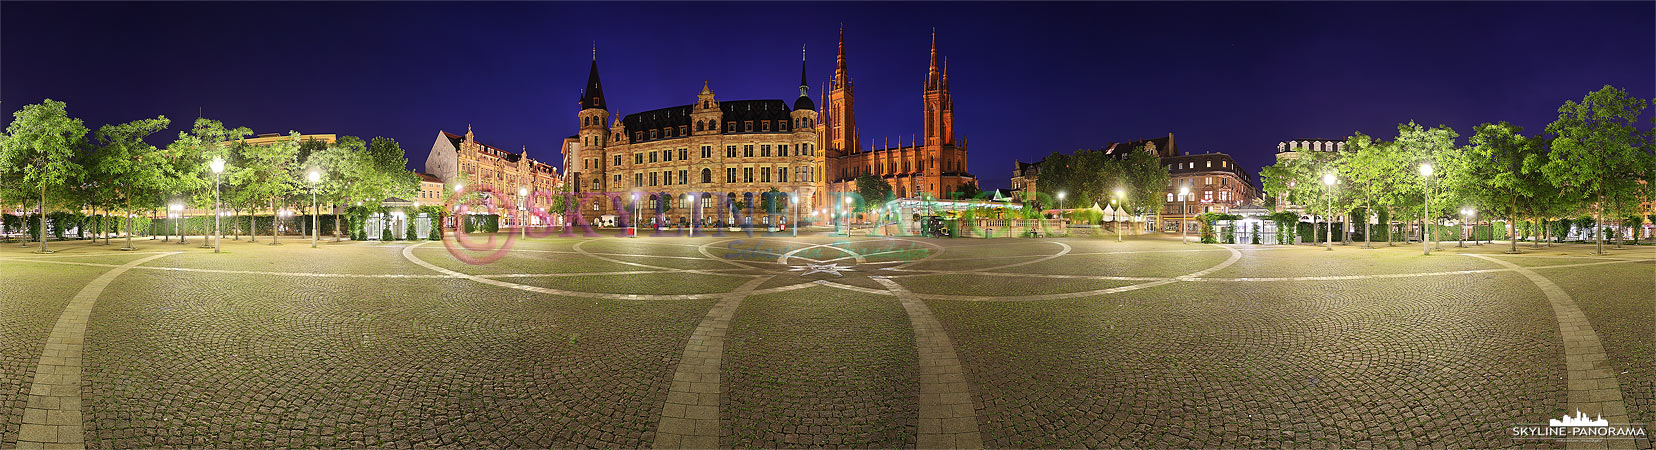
[[454, 139], [1199, 163], [738, 111], [593, 96], [804, 103]]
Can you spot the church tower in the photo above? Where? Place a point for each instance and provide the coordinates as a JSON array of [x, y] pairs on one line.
[[594, 134], [841, 121], [809, 160]]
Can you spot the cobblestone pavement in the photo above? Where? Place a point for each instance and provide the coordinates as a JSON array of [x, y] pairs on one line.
[[574, 342]]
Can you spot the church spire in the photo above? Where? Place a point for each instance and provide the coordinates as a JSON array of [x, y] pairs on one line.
[[841, 78], [932, 81], [593, 97]]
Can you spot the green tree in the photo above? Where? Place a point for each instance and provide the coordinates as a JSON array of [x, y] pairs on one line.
[[1496, 163], [874, 191], [1144, 181], [269, 174], [1436, 146], [39, 151], [390, 176], [1597, 150], [134, 169], [344, 167]]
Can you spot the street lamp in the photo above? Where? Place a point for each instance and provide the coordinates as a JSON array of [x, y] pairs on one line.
[[847, 215], [1425, 222], [316, 212], [523, 210], [1184, 194], [1060, 204], [218, 229], [691, 200], [1328, 180], [1466, 214], [1119, 196], [177, 216], [793, 201]]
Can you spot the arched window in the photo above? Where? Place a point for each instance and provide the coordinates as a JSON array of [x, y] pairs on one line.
[[707, 175], [699, 125]]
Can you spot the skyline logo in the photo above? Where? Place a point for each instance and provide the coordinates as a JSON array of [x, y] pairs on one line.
[[1580, 420], [1579, 428]]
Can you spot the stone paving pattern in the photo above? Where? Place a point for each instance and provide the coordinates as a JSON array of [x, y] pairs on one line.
[[366, 346], [820, 368]]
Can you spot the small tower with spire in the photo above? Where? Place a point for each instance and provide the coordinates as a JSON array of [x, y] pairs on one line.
[[706, 113], [594, 117]]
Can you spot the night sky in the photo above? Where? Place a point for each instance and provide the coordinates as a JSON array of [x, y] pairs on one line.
[[1028, 79]]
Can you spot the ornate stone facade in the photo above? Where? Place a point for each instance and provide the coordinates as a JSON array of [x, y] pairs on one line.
[[456, 160], [713, 151]]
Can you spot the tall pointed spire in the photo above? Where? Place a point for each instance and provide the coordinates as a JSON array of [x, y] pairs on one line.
[[840, 76], [804, 100], [932, 81], [593, 97]]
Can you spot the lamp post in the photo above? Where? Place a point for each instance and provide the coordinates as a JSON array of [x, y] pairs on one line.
[[1328, 180], [1426, 213], [178, 218], [523, 210], [691, 200], [458, 222], [218, 168], [1120, 196], [1466, 214], [1184, 194], [1060, 205], [316, 213], [633, 221], [847, 215], [793, 201]]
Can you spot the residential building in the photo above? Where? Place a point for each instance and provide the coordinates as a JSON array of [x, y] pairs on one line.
[[496, 173], [1212, 182]]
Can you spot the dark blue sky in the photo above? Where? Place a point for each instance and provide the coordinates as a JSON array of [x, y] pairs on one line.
[[1028, 79]]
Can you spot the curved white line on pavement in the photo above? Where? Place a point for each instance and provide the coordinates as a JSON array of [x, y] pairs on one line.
[[1235, 256], [1063, 252], [784, 258], [577, 248], [1592, 386], [54, 415], [1411, 275], [852, 288], [706, 250], [947, 419], [408, 253]]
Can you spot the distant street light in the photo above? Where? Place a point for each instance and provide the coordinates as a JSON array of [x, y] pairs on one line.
[[691, 200], [218, 229], [1466, 214], [793, 200], [1120, 201], [1184, 192], [1060, 205], [178, 219], [846, 214], [1328, 180], [1426, 213], [316, 212], [523, 211]]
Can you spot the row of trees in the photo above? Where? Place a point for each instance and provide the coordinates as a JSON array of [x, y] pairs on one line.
[[1593, 159], [47, 158], [1087, 177]]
